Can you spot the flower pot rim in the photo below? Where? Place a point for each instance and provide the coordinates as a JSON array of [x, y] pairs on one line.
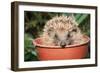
[[58, 47]]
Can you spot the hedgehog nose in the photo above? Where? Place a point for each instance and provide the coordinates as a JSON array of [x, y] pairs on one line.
[[63, 44]]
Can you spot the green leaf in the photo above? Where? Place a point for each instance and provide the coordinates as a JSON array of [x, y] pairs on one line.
[[27, 41], [82, 18], [77, 16]]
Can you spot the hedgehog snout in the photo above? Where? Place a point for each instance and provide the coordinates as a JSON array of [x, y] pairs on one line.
[[63, 44]]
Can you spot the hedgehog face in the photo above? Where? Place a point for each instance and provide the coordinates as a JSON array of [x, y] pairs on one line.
[[62, 39], [62, 36]]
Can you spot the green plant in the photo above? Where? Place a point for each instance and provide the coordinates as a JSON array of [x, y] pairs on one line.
[[29, 51]]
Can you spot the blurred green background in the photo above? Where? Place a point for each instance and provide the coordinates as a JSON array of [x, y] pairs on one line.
[[34, 23]]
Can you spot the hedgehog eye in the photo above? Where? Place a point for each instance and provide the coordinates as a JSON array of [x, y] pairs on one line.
[[55, 36], [74, 30], [68, 35], [50, 31]]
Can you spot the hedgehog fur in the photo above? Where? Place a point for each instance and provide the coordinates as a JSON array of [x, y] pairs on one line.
[[62, 31]]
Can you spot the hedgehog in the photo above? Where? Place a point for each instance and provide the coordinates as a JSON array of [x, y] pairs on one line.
[[62, 31]]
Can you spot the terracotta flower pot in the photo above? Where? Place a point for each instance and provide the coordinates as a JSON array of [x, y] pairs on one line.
[[58, 53]]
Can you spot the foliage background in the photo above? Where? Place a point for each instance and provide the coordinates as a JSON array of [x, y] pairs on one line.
[[33, 26]]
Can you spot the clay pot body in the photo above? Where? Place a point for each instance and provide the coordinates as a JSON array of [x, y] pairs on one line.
[[58, 53]]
